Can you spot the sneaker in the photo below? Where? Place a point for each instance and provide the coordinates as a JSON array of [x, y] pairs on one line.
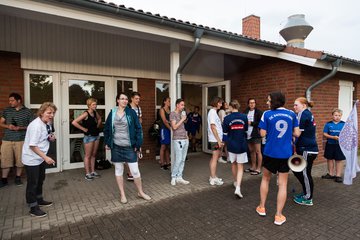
[[303, 201], [43, 203], [3, 184], [182, 181], [89, 177], [18, 181], [261, 211], [37, 212], [173, 181], [298, 195], [215, 181], [238, 193], [234, 184], [130, 177], [220, 160], [338, 179], [95, 175], [327, 176], [164, 167], [279, 220]]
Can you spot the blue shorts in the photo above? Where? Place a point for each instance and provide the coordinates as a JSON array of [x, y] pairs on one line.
[[165, 136], [123, 154], [89, 139]]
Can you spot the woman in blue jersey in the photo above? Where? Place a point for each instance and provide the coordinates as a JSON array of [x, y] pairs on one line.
[[165, 134], [236, 125], [333, 151], [278, 125], [307, 147]]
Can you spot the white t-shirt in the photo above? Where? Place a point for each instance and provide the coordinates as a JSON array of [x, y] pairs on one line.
[[250, 117], [213, 118], [36, 135]]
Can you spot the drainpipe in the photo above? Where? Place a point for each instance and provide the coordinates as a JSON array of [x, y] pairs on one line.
[[335, 66], [198, 34]]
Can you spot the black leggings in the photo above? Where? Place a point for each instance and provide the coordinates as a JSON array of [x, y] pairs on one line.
[[305, 177], [35, 179]]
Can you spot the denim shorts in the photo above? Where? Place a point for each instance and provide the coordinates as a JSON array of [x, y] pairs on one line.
[[123, 154], [89, 139]]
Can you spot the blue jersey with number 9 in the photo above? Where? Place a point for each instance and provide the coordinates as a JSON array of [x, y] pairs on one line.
[[279, 125]]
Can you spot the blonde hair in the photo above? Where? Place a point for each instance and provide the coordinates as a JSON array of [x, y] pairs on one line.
[[235, 104], [45, 106], [338, 110], [303, 100], [90, 101]]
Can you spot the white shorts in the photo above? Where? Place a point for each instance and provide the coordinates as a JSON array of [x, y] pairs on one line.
[[238, 157]]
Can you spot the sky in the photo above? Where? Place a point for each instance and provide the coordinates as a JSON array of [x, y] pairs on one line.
[[336, 23]]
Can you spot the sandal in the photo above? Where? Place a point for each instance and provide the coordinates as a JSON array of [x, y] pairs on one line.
[[255, 172], [327, 176], [249, 170]]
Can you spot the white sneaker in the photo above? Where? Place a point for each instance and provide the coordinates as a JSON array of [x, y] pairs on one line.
[[215, 181], [234, 184], [173, 181], [238, 193], [220, 160], [182, 181]]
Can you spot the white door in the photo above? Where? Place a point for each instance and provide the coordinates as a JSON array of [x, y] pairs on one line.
[[76, 89], [218, 89], [44, 87], [345, 98]]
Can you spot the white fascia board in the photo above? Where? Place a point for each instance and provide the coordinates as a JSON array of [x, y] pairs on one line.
[[316, 63], [69, 12], [97, 18]]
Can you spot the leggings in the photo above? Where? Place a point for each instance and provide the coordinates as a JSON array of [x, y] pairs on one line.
[[305, 177], [134, 169]]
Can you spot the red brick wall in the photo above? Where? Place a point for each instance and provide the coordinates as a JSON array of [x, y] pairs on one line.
[[257, 78], [146, 88], [11, 78]]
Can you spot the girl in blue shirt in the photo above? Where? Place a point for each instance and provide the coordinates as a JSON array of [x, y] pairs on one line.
[[279, 125], [333, 151]]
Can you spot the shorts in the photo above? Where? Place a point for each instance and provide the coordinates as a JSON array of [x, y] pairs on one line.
[[254, 140], [333, 151], [123, 154], [214, 146], [238, 157], [11, 154], [276, 165], [165, 136], [89, 139], [224, 138]]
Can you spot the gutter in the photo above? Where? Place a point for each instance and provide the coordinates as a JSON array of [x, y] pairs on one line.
[[198, 34], [173, 23], [335, 66]]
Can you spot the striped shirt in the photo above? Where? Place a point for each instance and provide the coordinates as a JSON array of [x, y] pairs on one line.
[[21, 118]]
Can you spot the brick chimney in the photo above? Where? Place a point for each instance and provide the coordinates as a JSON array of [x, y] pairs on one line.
[[251, 26]]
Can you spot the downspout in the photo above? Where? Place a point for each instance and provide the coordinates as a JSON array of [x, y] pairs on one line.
[[335, 66], [198, 34]]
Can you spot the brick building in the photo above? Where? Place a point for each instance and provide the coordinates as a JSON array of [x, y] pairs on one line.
[[64, 51]]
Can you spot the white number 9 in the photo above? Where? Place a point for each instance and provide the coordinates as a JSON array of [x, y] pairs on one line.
[[282, 127]]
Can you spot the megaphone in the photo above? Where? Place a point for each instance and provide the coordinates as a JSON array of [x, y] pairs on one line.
[[297, 163]]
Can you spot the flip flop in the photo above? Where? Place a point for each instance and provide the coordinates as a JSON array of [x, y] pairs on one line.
[[255, 172]]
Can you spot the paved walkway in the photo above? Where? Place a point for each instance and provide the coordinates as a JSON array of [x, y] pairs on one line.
[[92, 210]]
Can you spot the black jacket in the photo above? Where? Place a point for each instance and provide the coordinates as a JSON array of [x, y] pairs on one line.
[[257, 118]]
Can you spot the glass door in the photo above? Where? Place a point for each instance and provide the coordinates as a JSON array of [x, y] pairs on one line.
[[76, 90], [218, 89]]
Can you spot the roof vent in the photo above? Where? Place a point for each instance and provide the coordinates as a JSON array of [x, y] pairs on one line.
[[296, 30]]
